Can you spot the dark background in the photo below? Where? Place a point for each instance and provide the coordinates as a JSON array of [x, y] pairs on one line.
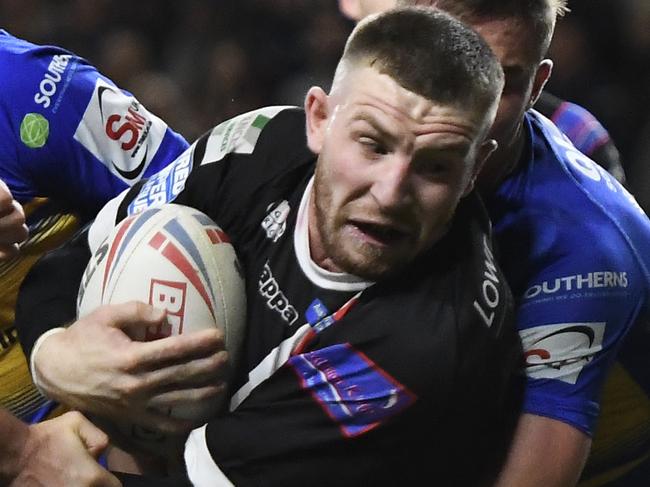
[[197, 62]]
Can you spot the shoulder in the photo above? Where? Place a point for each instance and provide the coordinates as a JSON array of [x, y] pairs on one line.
[[559, 204], [265, 130], [257, 144], [233, 159], [557, 168], [578, 123], [584, 130]]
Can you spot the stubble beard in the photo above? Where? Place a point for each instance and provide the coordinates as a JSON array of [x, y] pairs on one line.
[[346, 252]]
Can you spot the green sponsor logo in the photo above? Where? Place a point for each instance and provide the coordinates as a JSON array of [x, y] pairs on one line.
[[34, 130]]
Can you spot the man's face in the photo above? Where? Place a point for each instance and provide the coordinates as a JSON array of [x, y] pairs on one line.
[[517, 50], [515, 46], [392, 167]]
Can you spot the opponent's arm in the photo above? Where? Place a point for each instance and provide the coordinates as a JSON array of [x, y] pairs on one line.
[[58, 453], [80, 143], [544, 453]]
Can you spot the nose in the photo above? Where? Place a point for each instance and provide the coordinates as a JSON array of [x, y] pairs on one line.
[[392, 185]]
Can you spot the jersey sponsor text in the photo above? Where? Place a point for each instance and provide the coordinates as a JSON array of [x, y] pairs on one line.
[[576, 282], [51, 79], [275, 298], [165, 186], [489, 297]]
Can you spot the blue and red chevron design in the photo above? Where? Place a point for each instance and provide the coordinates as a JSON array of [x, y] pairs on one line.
[[177, 247], [127, 229]]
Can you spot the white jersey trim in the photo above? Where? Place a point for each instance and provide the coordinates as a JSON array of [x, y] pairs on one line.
[[104, 222], [272, 362], [201, 468], [336, 281]]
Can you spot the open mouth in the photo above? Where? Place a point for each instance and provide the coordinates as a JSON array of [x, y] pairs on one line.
[[381, 234]]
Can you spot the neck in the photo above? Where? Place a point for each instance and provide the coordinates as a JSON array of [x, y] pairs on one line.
[[316, 248], [502, 163]]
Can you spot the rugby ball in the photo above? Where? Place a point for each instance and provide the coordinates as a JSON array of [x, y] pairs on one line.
[[175, 258]]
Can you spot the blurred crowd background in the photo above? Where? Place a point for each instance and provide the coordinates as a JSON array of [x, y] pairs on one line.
[[197, 62]]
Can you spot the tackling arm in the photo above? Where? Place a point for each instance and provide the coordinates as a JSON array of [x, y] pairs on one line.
[[545, 453]]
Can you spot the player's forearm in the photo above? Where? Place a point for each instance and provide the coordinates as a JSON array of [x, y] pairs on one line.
[[14, 436], [544, 453]]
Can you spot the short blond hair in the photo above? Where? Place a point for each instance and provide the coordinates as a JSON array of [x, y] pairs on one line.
[[541, 15]]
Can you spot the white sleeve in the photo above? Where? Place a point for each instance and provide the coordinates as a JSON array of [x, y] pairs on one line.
[[201, 468], [104, 222]]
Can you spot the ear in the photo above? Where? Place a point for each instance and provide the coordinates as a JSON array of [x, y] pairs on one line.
[[541, 77], [482, 154], [316, 113], [350, 8]]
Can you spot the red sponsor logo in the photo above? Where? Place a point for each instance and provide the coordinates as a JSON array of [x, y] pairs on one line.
[[129, 126], [170, 296]]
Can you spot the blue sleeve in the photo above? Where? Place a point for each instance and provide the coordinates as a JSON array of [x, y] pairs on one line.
[[574, 247], [572, 320], [69, 132]]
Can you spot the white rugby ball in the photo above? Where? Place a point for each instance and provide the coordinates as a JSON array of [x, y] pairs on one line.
[[175, 258]]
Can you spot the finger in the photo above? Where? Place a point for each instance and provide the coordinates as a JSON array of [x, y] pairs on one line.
[[106, 479], [7, 251], [159, 421], [197, 372], [186, 397], [93, 438], [12, 224], [88, 435], [179, 348], [125, 315], [6, 199], [93, 475]]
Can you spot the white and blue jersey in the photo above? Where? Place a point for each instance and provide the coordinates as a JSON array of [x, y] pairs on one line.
[[71, 140], [575, 248], [69, 133]]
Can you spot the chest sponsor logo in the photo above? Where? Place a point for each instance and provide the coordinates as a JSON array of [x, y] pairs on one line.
[[164, 186], [275, 223], [50, 83], [275, 299], [352, 390], [560, 351], [489, 296], [578, 282], [131, 134]]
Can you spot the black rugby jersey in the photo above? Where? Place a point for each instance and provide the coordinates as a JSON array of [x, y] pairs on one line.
[[344, 382]]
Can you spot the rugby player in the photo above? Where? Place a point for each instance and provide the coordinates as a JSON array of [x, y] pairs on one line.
[[380, 348]]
